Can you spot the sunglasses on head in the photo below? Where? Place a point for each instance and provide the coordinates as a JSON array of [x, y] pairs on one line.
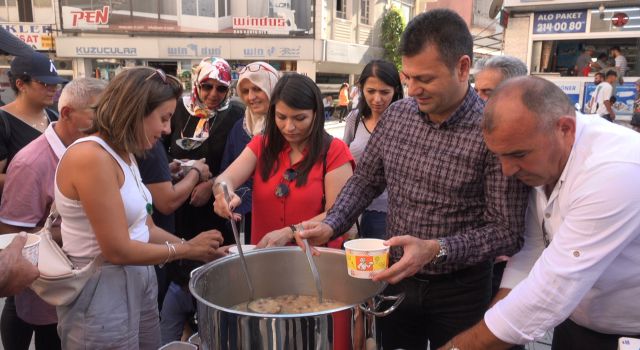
[[190, 143], [209, 87], [282, 190], [163, 76]]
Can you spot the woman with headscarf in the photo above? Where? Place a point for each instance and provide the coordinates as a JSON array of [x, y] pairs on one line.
[[255, 85], [199, 129]]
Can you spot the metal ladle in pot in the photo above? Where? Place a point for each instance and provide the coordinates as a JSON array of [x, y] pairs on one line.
[[234, 228], [314, 269]]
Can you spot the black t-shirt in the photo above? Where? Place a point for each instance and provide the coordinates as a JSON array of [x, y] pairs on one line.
[[154, 168], [19, 135]]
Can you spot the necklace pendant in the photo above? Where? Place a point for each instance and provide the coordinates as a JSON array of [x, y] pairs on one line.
[[149, 208]]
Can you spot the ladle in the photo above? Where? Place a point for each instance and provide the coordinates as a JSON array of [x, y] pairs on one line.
[[314, 270], [234, 228]]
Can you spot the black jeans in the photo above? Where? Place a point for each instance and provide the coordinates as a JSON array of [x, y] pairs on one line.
[[436, 308], [569, 335], [16, 333]]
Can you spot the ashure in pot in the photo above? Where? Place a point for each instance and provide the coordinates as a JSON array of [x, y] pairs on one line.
[[220, 285]]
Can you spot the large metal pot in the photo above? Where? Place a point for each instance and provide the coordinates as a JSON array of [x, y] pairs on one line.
[[220, 285]]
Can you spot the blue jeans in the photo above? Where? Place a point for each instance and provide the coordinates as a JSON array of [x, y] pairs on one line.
[[177, 308], [373, 224]]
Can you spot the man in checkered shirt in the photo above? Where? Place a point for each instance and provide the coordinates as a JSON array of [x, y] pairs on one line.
[[451, 211]]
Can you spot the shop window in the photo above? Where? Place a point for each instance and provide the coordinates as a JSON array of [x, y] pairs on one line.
[[364, 11], [341, 9], [224, 8], [25, 11], [616, 20]]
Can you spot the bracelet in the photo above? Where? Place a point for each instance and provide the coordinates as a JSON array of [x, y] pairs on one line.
[[168, 256], [199, 174]]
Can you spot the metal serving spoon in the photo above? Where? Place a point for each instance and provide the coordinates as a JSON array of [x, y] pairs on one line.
[[238, 243], [314, 269]]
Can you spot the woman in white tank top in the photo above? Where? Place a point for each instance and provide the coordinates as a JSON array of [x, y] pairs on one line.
[[106, 209]]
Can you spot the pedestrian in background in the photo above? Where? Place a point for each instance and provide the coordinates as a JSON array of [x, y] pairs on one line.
[[380, 86]]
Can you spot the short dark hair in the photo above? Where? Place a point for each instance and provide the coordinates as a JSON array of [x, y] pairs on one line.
[[603, 56], [616, 48], [612, 72], [300, 92], [442, 28], [385, 71], [540, 96], [600, 74]]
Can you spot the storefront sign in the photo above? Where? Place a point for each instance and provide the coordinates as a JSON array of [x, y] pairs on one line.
[[625, 95], [39, 37], [242, 18], [558, 22], [289, 49], [107, 47], [571, 89], [336, 51], [193, 48]]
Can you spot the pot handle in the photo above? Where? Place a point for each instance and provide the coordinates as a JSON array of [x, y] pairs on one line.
[[398, 298]]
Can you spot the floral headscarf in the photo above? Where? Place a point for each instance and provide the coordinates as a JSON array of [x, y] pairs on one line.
[[209, 68]]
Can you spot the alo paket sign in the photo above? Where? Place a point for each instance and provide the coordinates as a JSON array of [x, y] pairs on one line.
[[39, 37], [558, 22]]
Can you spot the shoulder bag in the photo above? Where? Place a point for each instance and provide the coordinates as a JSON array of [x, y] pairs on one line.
[[60, 281]]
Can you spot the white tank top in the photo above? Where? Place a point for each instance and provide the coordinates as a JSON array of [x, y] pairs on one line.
[[78, 237]]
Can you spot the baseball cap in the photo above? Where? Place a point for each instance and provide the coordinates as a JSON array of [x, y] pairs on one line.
[[38, 66]]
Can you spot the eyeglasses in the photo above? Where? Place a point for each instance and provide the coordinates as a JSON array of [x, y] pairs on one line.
[[209, 87], [254, 67], [45, 85], [282, 190]]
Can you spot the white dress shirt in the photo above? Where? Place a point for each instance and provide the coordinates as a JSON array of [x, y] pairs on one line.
[[590, 272]]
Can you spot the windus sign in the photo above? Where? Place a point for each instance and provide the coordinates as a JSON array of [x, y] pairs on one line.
[[228, 18]]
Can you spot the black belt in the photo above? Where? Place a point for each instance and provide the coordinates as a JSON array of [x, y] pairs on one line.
[[475, 269]]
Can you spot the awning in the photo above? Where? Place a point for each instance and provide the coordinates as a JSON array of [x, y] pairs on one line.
[[11, 45]]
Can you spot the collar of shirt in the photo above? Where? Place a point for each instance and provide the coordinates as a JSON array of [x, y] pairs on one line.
[[470, 99], [54, 140]]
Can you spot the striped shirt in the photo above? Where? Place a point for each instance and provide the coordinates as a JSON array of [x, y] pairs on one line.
[[442, 182]]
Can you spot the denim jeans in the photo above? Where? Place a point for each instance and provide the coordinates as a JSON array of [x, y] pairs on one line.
[[373, 224], [436, 308], [177, 308]]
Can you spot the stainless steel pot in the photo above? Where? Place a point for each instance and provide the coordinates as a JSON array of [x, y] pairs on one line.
[[220, 285]]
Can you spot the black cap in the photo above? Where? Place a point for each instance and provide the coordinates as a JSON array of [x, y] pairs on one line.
[[38, 66]]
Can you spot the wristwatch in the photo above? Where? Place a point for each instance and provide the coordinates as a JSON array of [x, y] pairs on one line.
[[441, 256]]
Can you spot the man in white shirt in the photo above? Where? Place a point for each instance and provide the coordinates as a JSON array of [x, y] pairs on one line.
[[600, 102], [578, 268]]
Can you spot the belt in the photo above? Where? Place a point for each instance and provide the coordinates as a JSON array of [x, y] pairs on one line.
[[475, 269]]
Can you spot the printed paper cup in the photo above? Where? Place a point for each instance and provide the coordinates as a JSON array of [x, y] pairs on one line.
[[245, 248], [365, 256], [30, 250]]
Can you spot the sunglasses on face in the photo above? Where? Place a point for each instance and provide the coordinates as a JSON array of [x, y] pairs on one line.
[[282, 190], [209, 87], [45, 85], [190, 143]]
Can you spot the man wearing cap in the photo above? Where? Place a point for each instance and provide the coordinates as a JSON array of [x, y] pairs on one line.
[[583, 63], [27, 197], [34, 80], [578, 268]]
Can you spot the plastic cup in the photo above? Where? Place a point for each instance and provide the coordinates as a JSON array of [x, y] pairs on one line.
[[245, 248], [30, 250], [366, 256], [187, 165]]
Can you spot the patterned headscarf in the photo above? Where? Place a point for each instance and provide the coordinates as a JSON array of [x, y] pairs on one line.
[[264, 76], [209, 68]]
